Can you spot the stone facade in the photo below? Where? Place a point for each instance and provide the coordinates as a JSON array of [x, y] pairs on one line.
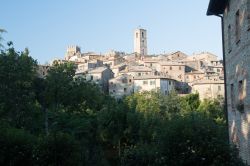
[[237, 50], [236, 20], [173, 69], [137, 71], [101, 77], [194, 75], [151, 82], [118, 68], [73, 52], [140, 42], [83, 67], [121, 86], [178, 55], [208, 88]]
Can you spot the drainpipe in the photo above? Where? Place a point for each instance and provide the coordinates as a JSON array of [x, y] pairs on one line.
[[224, 65]]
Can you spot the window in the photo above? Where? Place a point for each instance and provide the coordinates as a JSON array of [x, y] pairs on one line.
[[170, 68], [179, 67], [238, 26], [228, 6], [240, 89], [169, 82], [145, 82], [232, 96], [136, 35], [152, 82], [219, 88], [130, 80], [125, 89], [248, 15], [124, 81], [218, 70], [142, 34], [139, 74], [229, 38], [91, 77]]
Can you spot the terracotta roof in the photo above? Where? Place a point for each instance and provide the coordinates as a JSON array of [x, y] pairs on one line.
[[195, 72], [144, 77], [98, 70], [138, 69], [171, 64], [208, 81]]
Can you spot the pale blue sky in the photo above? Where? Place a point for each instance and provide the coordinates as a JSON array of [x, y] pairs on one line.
[[46, 27]]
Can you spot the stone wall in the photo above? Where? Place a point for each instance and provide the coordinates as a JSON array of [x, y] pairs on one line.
[[237, 51]]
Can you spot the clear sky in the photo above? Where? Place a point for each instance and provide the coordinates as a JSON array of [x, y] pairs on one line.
[[47, 27]]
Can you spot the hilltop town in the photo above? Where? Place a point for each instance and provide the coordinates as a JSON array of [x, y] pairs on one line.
[[120, 74], [125, 108]]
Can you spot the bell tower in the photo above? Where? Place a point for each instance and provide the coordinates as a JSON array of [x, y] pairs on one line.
[[140, 42]]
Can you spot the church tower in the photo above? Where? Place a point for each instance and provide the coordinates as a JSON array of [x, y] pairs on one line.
[[140, 42]]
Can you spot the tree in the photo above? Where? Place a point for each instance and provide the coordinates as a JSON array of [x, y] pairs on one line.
[[196, 140], [17, 72], [58, 149], [1, 38], [17, 146], [213, 109], [59, 80]]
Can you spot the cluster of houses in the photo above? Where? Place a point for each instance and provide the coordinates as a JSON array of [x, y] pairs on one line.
[[121, 74]]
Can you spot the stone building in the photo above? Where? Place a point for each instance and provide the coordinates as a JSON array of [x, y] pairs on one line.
[[121, 86], [194, 75], [152, 82], [100, 76], [83, 67], [176, 56], [118, 68], [152, 63], [72, 53], [215, 67], [137, 70], [113, 58], [173, 69], [235, 15], [208, 88], [140, 42]]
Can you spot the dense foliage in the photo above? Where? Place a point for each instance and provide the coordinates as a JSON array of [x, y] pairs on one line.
[[62, 120]]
